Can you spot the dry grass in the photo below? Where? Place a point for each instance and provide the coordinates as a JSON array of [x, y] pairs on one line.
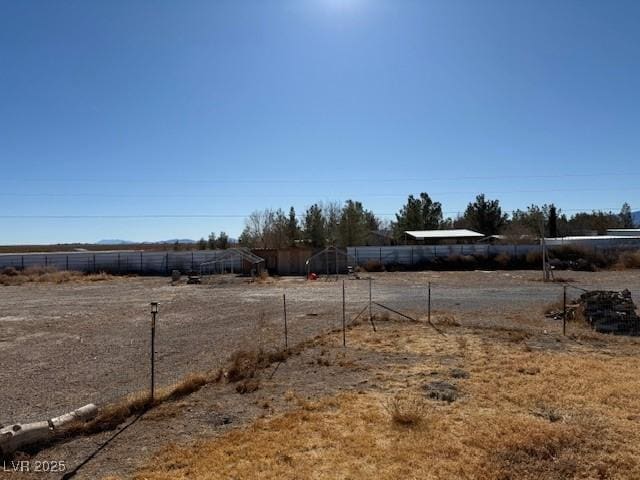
[[407, 410], [11, 277], [574, 418], [245, 364], [628, 260], [112, 415]]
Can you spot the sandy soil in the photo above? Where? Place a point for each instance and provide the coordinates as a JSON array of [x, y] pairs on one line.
[[63, 346]]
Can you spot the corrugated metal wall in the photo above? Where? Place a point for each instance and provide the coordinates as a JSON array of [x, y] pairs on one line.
[[158, 263], [414, 254]]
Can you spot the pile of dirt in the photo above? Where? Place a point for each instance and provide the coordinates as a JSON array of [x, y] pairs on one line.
[[610, 312]]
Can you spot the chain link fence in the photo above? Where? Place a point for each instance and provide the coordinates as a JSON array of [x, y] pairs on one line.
[[199, 329]]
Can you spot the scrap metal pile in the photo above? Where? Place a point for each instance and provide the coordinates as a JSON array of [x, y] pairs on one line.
[[610, 312], [606, 311]]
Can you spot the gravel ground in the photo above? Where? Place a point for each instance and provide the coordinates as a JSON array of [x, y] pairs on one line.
[[66, 345]]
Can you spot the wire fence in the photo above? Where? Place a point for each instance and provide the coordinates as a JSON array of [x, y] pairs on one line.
[[111, 359]]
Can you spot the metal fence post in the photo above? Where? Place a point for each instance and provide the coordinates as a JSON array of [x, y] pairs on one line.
[[370, 316], [154, 312], [286, 333], [429, 303], [344, 318], [564, 310]]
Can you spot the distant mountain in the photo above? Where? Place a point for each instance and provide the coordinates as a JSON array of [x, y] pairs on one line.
[[128, 242], [179, 240], [114, 242], [636, 218]]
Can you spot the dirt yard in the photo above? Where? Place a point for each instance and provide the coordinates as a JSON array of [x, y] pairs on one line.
[[66, 345]]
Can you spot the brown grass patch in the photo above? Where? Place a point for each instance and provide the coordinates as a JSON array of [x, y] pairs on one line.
[[573, 419], [10, 276], [628, 260]]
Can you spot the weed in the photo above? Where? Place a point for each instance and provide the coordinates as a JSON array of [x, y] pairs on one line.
[[248, 386], [407, 410]]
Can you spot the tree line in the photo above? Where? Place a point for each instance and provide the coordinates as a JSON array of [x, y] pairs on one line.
[[349, 223]]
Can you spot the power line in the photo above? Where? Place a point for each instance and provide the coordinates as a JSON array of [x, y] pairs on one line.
[[282, 195], [175, 181], [176, 216]]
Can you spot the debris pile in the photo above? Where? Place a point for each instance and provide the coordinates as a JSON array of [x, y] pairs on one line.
[[610, 312]]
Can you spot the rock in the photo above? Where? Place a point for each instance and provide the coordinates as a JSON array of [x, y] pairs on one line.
[[443, 391]]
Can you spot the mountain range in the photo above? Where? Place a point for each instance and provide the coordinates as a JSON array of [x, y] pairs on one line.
[[128, 242]]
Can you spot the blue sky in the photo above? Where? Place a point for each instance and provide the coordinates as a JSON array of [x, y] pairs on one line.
[[218, 108]]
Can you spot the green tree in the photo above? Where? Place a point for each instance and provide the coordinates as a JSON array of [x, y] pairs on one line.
[[314, 226], [293, 230], [552, 221], [485, 216], [212, 241], [223, 241], [202, 244], [418, 214], [597, 221], [355, 224], [626, 217]]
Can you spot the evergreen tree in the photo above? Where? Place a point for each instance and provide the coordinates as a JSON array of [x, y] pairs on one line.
[[293, 230], [485, 216], [626, 217], [314, 226], [418, 214]]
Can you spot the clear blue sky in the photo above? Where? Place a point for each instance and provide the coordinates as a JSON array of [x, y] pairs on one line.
[[222, 107]]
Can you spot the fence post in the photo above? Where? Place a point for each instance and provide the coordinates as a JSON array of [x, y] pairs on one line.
[[286, 333], [564, 310], [67, 266], [22, 262], [94, 263], [429, 303], [370, 316], [344, 321], [154, 312]]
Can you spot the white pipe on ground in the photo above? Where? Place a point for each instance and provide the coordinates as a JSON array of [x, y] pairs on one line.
[[14, 437]]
